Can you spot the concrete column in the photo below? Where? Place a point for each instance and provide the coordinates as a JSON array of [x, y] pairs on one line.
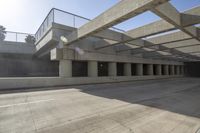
[[139, 69], [158, 69], [127, 69], [182, 70], [166, 69], [150, 69], [178, 70], [112, 69], [65, 68], [171, 69], [92, 69]]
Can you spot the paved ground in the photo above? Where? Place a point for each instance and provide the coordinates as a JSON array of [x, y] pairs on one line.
[[162, 106]]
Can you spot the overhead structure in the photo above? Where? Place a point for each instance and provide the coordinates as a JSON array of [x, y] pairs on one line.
[[150, 40]]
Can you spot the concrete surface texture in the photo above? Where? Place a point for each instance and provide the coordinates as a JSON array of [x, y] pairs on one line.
[[25, 65], [154, 106]]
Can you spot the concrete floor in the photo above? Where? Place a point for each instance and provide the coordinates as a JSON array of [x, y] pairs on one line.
[[159, 106]]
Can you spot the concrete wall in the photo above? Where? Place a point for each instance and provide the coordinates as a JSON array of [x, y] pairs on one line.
[[15, 65], [17, 60], [10, 83], [16, 47]]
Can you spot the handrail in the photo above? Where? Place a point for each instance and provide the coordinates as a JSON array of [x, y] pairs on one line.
[[9, 36], [39, 36], [18, 32], [71, 14], [74, 21], [44, 20], [83, 17]]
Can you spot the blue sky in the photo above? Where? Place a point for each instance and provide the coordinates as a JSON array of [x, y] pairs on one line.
[[27, 15]]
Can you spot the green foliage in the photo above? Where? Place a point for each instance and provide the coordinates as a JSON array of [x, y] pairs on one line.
[[30, 39]]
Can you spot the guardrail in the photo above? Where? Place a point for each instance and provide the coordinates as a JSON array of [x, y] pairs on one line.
[[54, 16], [16, 36], [64, 18]]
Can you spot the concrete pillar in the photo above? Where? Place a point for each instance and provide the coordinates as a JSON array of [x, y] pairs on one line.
[[182, 70], [127, 69], [158, 69], [92, 69], [171, 69], [139, 69], [65, 68], [166, 69], [150, 69], [178, 70], [112, 69]]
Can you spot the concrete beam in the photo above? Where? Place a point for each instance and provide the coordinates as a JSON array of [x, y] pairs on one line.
[[190, 30], [177, 18], [189, 19], [171, 15], [193, 15], [56, 54], [173, 57], [69, 54], [194, 48], [169, 38], [176, 50], [174, 53], [120, 12], [149, 29]]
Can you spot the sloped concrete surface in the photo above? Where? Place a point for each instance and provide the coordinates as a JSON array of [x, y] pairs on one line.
[[154, 106]]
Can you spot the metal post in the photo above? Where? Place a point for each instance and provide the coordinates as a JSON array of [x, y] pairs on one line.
[[16, 37], [74, 21], [53, 15]]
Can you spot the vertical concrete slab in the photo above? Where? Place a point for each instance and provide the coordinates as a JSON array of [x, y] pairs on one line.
[[112, 69], [127, 69], [139, 69], [182, 70], [172, 72], [166, 69], [150, 69], [158, 69], [178, 70], [92, 69], [65, 68]]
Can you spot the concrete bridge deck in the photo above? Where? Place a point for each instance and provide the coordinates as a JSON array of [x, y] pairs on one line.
[[154, 106]]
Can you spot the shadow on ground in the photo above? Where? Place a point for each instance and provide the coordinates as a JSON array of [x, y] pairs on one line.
[[181, 96]]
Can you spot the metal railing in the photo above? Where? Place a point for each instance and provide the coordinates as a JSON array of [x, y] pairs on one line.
[[64, 18], [54, 16], [16, 36]]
